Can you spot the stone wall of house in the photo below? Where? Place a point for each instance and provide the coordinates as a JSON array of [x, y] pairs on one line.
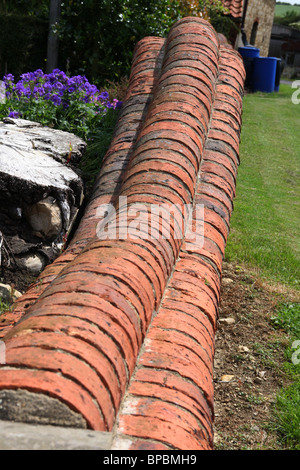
[[259, 16]]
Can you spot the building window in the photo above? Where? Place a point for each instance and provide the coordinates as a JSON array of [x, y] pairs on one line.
[[253, 33]]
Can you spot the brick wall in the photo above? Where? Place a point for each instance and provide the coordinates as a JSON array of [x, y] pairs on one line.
[[120, 330]]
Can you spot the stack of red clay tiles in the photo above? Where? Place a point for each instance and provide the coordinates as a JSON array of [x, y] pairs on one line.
[[235, 7], [121, 330]]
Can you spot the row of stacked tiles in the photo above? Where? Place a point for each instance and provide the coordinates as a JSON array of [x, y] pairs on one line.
[[144, 310]]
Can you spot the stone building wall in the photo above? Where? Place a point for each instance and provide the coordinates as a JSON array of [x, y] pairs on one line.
[[259, 16]]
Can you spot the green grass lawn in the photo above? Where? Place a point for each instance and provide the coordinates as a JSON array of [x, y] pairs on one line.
[[287, 410], [265, 228], [281, 10]]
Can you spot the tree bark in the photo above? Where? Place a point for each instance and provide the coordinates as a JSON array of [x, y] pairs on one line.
[[53, 40]]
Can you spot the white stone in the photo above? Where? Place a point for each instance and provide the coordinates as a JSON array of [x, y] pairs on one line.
[[243, 349], [33, 263], [45, 219], [8, 293], [228, 320], [36, 168]]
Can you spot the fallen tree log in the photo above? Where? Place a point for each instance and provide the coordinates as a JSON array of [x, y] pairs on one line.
[[40, 195]]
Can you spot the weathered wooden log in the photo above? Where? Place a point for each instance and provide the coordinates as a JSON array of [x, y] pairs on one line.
[[39, 194]]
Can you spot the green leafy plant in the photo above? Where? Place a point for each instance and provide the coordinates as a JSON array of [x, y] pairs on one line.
[[4, 306], [287, 408], [99, 140], [95, 38], [98, 38], [287, 415], [290, 18], [287, 317]]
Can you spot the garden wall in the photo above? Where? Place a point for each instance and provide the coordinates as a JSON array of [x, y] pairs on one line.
[[118, 333]]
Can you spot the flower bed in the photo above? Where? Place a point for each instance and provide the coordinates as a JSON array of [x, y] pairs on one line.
[[71, 104]]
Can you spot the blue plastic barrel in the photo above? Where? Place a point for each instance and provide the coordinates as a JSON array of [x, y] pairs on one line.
[[248, 54], [278, 74], [264, 74], [249, 51]]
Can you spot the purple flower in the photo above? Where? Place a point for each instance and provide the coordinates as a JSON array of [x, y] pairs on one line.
[[51, 77], [76, 80], [116, 104], [59, 85], [93, 89], [47, 87], [60, 75], [104, 95], [38, 73], [8, 78], [21, 90], [36, 90], [28, 76], [56, 100], [14, 114]]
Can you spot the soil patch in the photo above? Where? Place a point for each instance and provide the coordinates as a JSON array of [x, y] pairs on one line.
[[248, 359], [13, 276]]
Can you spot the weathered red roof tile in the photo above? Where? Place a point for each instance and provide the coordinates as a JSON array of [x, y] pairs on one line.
[[235, 7]]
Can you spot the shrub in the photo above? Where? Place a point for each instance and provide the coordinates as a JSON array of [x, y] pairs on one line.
[[99, 37]]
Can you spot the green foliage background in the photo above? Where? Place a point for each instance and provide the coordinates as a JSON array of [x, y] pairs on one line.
[[23, 42], [287, 15], [97, 37]]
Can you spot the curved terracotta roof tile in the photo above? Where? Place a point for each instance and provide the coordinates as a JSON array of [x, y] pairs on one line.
[[235, 7], [180, 342]]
